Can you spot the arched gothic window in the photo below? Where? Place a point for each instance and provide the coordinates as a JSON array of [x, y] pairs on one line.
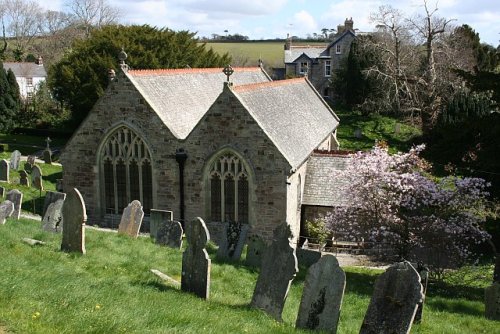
[[228, 182], [126, 166]]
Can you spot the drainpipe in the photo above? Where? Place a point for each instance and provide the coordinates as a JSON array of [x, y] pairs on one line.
[[181, 157]]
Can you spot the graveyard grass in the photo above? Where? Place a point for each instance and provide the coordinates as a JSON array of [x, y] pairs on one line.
[[111, 290]]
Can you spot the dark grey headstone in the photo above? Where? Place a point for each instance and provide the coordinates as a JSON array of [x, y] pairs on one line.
[[233, 240], [158, 218], [31, 159], [255, 250], [131, 221], [170, 234], [52, 219], [75, 217], [195, 260], [4, 170], [322, 296], [394, 301], [51, 197], [16, 197], [278, 268], [23, 180], [59, 185], [47, 156], [2, 192], [28, 167], [307, 257], [492, 301], [36, 177], [6, 210], [15, 157]]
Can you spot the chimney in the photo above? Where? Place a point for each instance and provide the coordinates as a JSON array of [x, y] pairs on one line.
[[288, 42], [349, 24], [39, 61]]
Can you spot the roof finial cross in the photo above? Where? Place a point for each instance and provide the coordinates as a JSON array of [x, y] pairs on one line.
[[228, 70]]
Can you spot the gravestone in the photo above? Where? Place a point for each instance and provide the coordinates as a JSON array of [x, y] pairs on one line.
[[170, 234], [492, 301], [278, 268], [397, 128], [16, 197], [158, 218], [6, 210], [36, 177], [23, 178], [394, 301], [233, 240], [15, 157], [2, 192], [424, 278], [31, 159], [52, 219], [51, 197], [47, 156], [4, 170], [196, 263], [59, 185], [255, 250], [322, 296], [131, 220], [28, 165], [358, 133], [74, 217]]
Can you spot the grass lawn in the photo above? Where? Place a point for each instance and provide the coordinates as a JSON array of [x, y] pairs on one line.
[[110, 290], [26, 144]]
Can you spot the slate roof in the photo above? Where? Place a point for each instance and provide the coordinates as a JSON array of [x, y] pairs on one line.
[[321, 188], [181, 97], [295, 52], [291, 113], [23, 69]]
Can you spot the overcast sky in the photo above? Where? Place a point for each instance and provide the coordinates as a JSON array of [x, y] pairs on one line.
[[262, 19]]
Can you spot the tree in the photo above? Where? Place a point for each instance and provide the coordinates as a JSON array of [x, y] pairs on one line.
[[9, 99], [80, 78], [93, 13], [393, 200]]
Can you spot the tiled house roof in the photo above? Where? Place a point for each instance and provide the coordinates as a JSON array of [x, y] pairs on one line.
[[321, 187], [295, 52], [23, 69], [292, 114], [181, 97]]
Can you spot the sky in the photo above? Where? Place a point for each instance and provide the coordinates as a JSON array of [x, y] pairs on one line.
[[268, 19]]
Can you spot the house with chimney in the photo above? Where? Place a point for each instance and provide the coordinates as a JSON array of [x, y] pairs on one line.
[[29, 76]]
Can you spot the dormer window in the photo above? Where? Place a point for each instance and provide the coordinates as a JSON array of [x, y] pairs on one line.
[[338, 49], [328, 68]]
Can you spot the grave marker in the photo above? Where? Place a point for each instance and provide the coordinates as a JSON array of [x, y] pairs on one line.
[[51, 197], [2, 192], [131, 220], [6, 210], [233, 240], [16, 197], [4, 170], [23, 180], [53, 220], [170, 234], [74, 216], [255, 250], [158, 218], [36, 177], [15, 157]]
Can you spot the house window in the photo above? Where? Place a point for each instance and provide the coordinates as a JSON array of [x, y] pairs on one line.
[[127, 172], [29, 81], [338, 49], [303, 67], [228, 182], [328, 68]]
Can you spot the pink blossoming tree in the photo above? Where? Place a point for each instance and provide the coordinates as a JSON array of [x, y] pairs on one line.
[[394, 200]]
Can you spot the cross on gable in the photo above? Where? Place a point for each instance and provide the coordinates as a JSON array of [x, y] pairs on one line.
[[228, 70]]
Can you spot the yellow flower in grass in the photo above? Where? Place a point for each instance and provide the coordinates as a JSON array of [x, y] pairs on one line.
[[97, 306], [35, 315]]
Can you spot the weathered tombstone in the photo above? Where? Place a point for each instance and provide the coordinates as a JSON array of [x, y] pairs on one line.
[[196, 263], [51, 197], [28, 165], [278, 268], [233, 241], [158, 218], [2, 192], [358, 133], [4, 170], [36, 177], [492, 301], [59, 185], [74, 216], [170, 234], [31, 159], [131, 221], [16, 197], [397, 128], [6, 210], [23, 180], [47, 156], [52, 219], [255, 250], [322, 296], [394, 301], [15, 157]]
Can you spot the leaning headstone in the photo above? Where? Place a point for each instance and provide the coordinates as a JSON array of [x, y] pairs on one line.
[[51, 197], [74, 216], [16, 197], [170, 234], [255, 250], [4, 170], [394, 301], [52, 219], [36, 177], [15, 157], [156, 219], [492, 301], [233, 241], [196, 263], [278, 268], [47, 156], [23, 178], [131, 221], [6, 210], [322, 296]]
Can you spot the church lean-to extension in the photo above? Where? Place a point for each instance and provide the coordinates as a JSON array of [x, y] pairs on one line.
[[201, 143]]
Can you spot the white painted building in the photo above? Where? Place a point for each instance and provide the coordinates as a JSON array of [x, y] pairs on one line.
[[28, 76]]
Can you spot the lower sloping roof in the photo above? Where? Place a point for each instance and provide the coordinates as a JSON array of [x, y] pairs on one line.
[[24, 69], [322, 187]]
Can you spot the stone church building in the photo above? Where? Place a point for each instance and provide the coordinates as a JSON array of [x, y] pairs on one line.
[[200, 142]]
